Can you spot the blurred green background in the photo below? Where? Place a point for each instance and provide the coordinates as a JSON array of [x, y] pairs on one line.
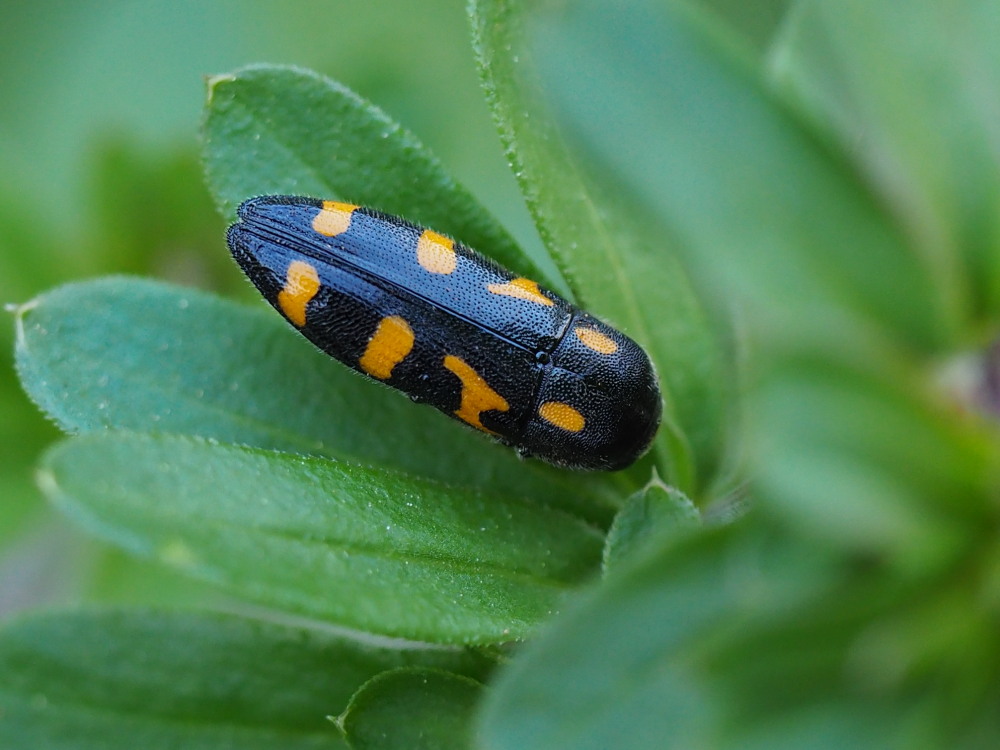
[[99, 149]]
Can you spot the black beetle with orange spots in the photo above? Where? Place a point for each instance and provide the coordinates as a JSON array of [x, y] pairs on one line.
[[425, 314]]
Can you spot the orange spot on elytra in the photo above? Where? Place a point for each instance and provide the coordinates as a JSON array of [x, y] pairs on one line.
[[477, 396], [333, 218], [562, 415], [388, 346], [593, 339], [525, 289], [301, 285], [436, 253]]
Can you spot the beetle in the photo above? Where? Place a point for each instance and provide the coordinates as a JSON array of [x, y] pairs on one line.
[[420, 312]]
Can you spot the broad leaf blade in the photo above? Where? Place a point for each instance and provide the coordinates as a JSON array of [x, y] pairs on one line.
[[164, 680], [770, 217], [610, 672], [144, 356], [750, 637], [271, 129], [368, 549], [617, 259], [412, 709], [909, 92], [631, 666]]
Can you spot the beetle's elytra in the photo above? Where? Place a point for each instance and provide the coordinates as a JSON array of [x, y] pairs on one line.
[[449, 327]]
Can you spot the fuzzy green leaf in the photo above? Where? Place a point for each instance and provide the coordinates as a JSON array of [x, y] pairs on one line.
[[654, 513], [370, 549], [616, 257], [144, 356], [909, 92], [764, 212], [412, 709], [271, 129], [106, 680], [637, 664], [748, 637], [610, 672]]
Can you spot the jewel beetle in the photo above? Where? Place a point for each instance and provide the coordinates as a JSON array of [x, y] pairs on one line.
[[435, 319]]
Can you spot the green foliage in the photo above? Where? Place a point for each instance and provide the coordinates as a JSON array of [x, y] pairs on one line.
[[367, 548], [844, 611], [800, 226], [150, 679], [923, 147]]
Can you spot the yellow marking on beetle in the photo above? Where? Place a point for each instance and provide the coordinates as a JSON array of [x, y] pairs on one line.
[[388, 346], [333, 218], [593, 339], [436, 253], [522, 289], [301, 285], [562, 416], [477, 396]]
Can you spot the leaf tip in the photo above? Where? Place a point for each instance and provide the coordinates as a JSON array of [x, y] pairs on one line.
[[212, 81], [338, 721], [19, 311]]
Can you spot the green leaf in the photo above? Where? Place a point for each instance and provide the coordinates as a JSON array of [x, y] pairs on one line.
[[637, 663], [654, 513], [769, 217], [618, 261], [366, 548], [873, 461], [271, 129], [857, 665], [128, 679], [908, 91], [610, 672], [412, 709], [143, 356], [747, 636]]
